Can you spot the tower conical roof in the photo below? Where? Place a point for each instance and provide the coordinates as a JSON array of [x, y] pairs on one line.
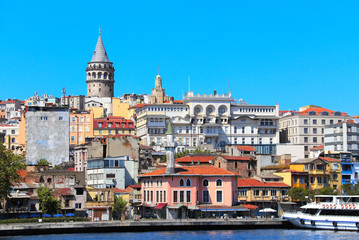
[[169, 129], [100, 54]]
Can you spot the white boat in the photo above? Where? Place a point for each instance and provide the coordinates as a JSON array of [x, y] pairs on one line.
[[335, 212]]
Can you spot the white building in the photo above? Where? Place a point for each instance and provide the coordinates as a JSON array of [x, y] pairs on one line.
[[208, 121]]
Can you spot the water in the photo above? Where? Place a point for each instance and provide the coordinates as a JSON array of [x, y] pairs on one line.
[[202, 235]]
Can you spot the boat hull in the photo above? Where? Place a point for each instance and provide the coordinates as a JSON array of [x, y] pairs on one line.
[[314, 222]]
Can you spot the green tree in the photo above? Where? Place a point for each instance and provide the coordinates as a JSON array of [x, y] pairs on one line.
[[48, 203], [350, 189], [9, 165], [327, 191], [119, 208], [299, 194], [42, 162]]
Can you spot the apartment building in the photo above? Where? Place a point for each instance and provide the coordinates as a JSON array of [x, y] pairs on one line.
[[81, 126], [306, 126]]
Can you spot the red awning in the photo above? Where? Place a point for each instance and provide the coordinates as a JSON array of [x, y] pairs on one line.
[[160, 205]]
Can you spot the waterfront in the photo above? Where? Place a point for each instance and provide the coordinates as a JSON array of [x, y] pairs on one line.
[[201, 235]]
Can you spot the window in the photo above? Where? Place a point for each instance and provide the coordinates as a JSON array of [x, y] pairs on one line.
[[205, 183], [205, 196], [181, 183], [79, 191], [323, 121], [181, 196], [73, 119], [219, 197], [315, 139], [314, 121], [319, 180], [305, 139], [219, 183], [242, 193], [175, 196], [273, 192], [256, 192], [305, 121], [305, 130], [306, 148], [188, 183], [188, 196], [72, 138], [331, 121], [77, 205], [265, 192]]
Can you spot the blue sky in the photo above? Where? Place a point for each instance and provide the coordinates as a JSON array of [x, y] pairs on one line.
[[293, 53]]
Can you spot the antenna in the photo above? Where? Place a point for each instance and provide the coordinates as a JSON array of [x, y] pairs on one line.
[[158, 70], [189, 83], [63, 92]]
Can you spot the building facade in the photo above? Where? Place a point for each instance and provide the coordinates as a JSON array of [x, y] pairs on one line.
[[81, 126], [306, 126], [208, 121], [47, 134], [113, 126], [342, 137]]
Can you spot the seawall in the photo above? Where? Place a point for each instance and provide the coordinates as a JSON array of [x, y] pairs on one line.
[[139, 226]]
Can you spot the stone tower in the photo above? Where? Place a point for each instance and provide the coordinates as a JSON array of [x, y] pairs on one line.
[[100, 73], [158, 93], [170, 146]]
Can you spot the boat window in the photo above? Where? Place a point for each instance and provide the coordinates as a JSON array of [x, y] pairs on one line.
[[310, 211], [323, 199], [339, 212]]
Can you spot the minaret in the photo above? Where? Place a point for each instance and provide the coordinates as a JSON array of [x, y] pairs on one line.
[[100, 73], [170, 150]]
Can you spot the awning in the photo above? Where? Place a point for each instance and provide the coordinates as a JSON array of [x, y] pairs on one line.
[[160, 205], [226, 210]]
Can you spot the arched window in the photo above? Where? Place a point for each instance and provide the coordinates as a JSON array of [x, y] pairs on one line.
[[99, 75], [312, 113], [105, 76], [205, 183], [188, 182], [219, 183], [93, 75], [181, 183]]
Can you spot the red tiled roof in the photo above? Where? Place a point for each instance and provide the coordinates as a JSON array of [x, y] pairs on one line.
[[139, 105], [71, 169], [120, 190], [135, 186], [189, 159], [347, 121], [319, 110], [146, 147], [236, 158], [246, 148], [193, 170], [329, 159], [317, 147], [255, 183], [176, 101], [250, 206], [66, 192]]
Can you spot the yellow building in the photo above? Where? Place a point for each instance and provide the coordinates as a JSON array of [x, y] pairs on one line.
[[81, 126], [98, 112], [294, 178], [322, 172], [110, 126], [11, 138]]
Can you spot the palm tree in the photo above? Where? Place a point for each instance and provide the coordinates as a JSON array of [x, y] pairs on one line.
[[119, 208]]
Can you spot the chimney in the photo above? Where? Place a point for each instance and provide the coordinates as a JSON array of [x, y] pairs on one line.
[[172, 100], [199, 162], [215, 92], [192, 162]]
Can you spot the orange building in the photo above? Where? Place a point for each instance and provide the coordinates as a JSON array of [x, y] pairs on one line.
[[81, 126]]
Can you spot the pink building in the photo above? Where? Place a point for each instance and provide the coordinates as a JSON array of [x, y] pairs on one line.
[[189, 191]]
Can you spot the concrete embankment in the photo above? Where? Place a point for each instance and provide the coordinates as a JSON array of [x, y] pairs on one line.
[[139, 226]]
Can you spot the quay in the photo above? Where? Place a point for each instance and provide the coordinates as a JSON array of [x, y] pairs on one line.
[[140, 226]]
